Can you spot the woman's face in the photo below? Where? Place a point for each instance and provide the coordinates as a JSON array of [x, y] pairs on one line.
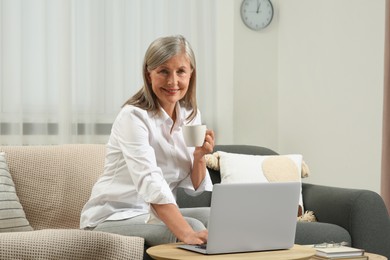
[[170, 81]]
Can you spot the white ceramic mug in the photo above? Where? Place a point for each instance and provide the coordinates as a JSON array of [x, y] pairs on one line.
[[194, 135]]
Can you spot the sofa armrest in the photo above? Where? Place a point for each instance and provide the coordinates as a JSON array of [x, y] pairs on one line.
[[361, 212], [69, 244]]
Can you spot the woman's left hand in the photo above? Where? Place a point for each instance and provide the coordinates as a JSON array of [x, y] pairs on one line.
[[208, 144], [199, 166]]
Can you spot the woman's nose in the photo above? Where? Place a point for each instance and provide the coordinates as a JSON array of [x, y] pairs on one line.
[[172, 80]]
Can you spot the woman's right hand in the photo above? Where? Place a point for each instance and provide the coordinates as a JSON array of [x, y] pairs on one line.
[[172, 217], [196, 238]]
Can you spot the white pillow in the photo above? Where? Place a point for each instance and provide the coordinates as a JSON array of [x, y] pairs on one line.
[[261, 168]]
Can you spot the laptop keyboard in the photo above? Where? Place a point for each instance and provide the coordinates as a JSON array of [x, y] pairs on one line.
[[204, 246]]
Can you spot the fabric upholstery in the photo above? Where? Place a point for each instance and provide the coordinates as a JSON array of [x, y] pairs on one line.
[[361, 212], [358, 216], [243, 149], [69, 244], [12, 216], [261, 168], [308, 233], [54, 182]]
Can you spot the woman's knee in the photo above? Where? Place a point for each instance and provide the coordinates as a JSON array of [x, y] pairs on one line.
[[196, 224], [202, 214]]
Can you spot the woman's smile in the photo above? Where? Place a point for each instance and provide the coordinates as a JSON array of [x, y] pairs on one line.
[[171, 91]]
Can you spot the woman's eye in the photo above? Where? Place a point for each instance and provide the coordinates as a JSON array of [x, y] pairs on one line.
[[163, 71]]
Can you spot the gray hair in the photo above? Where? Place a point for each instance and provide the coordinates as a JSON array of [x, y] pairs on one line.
[[159, 51]]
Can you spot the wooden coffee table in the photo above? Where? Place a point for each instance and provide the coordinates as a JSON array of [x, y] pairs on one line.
[[170, 251], [372, 256]]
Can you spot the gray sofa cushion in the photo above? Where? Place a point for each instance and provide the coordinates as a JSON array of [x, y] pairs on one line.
[[318, 232]]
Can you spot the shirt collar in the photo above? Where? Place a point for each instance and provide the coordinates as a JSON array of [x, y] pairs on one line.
[[164, 118]]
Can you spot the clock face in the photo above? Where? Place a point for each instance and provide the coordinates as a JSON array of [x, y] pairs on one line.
[[256, 14]]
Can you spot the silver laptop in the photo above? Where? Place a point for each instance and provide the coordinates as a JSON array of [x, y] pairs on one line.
[[247, 217]]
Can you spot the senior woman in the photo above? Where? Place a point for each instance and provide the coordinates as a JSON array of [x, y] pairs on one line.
[[147, 159]]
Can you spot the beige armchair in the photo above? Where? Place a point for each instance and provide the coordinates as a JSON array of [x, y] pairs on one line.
[[52, 184]]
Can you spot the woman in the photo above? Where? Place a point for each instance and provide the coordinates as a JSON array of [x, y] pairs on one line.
[[147, 159]]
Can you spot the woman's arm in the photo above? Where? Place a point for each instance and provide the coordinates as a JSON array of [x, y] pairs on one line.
[[172, 217], [199, 166]]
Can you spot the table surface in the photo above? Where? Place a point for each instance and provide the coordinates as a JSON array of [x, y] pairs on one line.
[[375, 256], [170, 251]]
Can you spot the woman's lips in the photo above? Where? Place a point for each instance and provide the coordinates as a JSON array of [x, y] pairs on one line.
[[171, 91]]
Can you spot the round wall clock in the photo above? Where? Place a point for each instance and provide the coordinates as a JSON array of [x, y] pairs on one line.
[[257, 14]]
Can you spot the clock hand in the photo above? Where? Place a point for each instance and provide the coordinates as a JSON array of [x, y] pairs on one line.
[[258, 6]]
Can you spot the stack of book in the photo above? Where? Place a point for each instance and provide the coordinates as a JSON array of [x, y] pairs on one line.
[[339, 252]]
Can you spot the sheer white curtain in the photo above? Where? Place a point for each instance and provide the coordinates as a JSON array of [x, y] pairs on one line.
[[66, 66]]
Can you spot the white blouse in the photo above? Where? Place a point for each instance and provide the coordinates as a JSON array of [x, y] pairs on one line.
[[145, 163]]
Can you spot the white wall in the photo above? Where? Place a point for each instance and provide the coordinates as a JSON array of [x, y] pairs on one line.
[[224, 105], [330, 106], [256, 84], [311, 83]]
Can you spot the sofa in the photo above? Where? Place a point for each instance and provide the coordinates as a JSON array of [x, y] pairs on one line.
[[356, 216], [53, 183]]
